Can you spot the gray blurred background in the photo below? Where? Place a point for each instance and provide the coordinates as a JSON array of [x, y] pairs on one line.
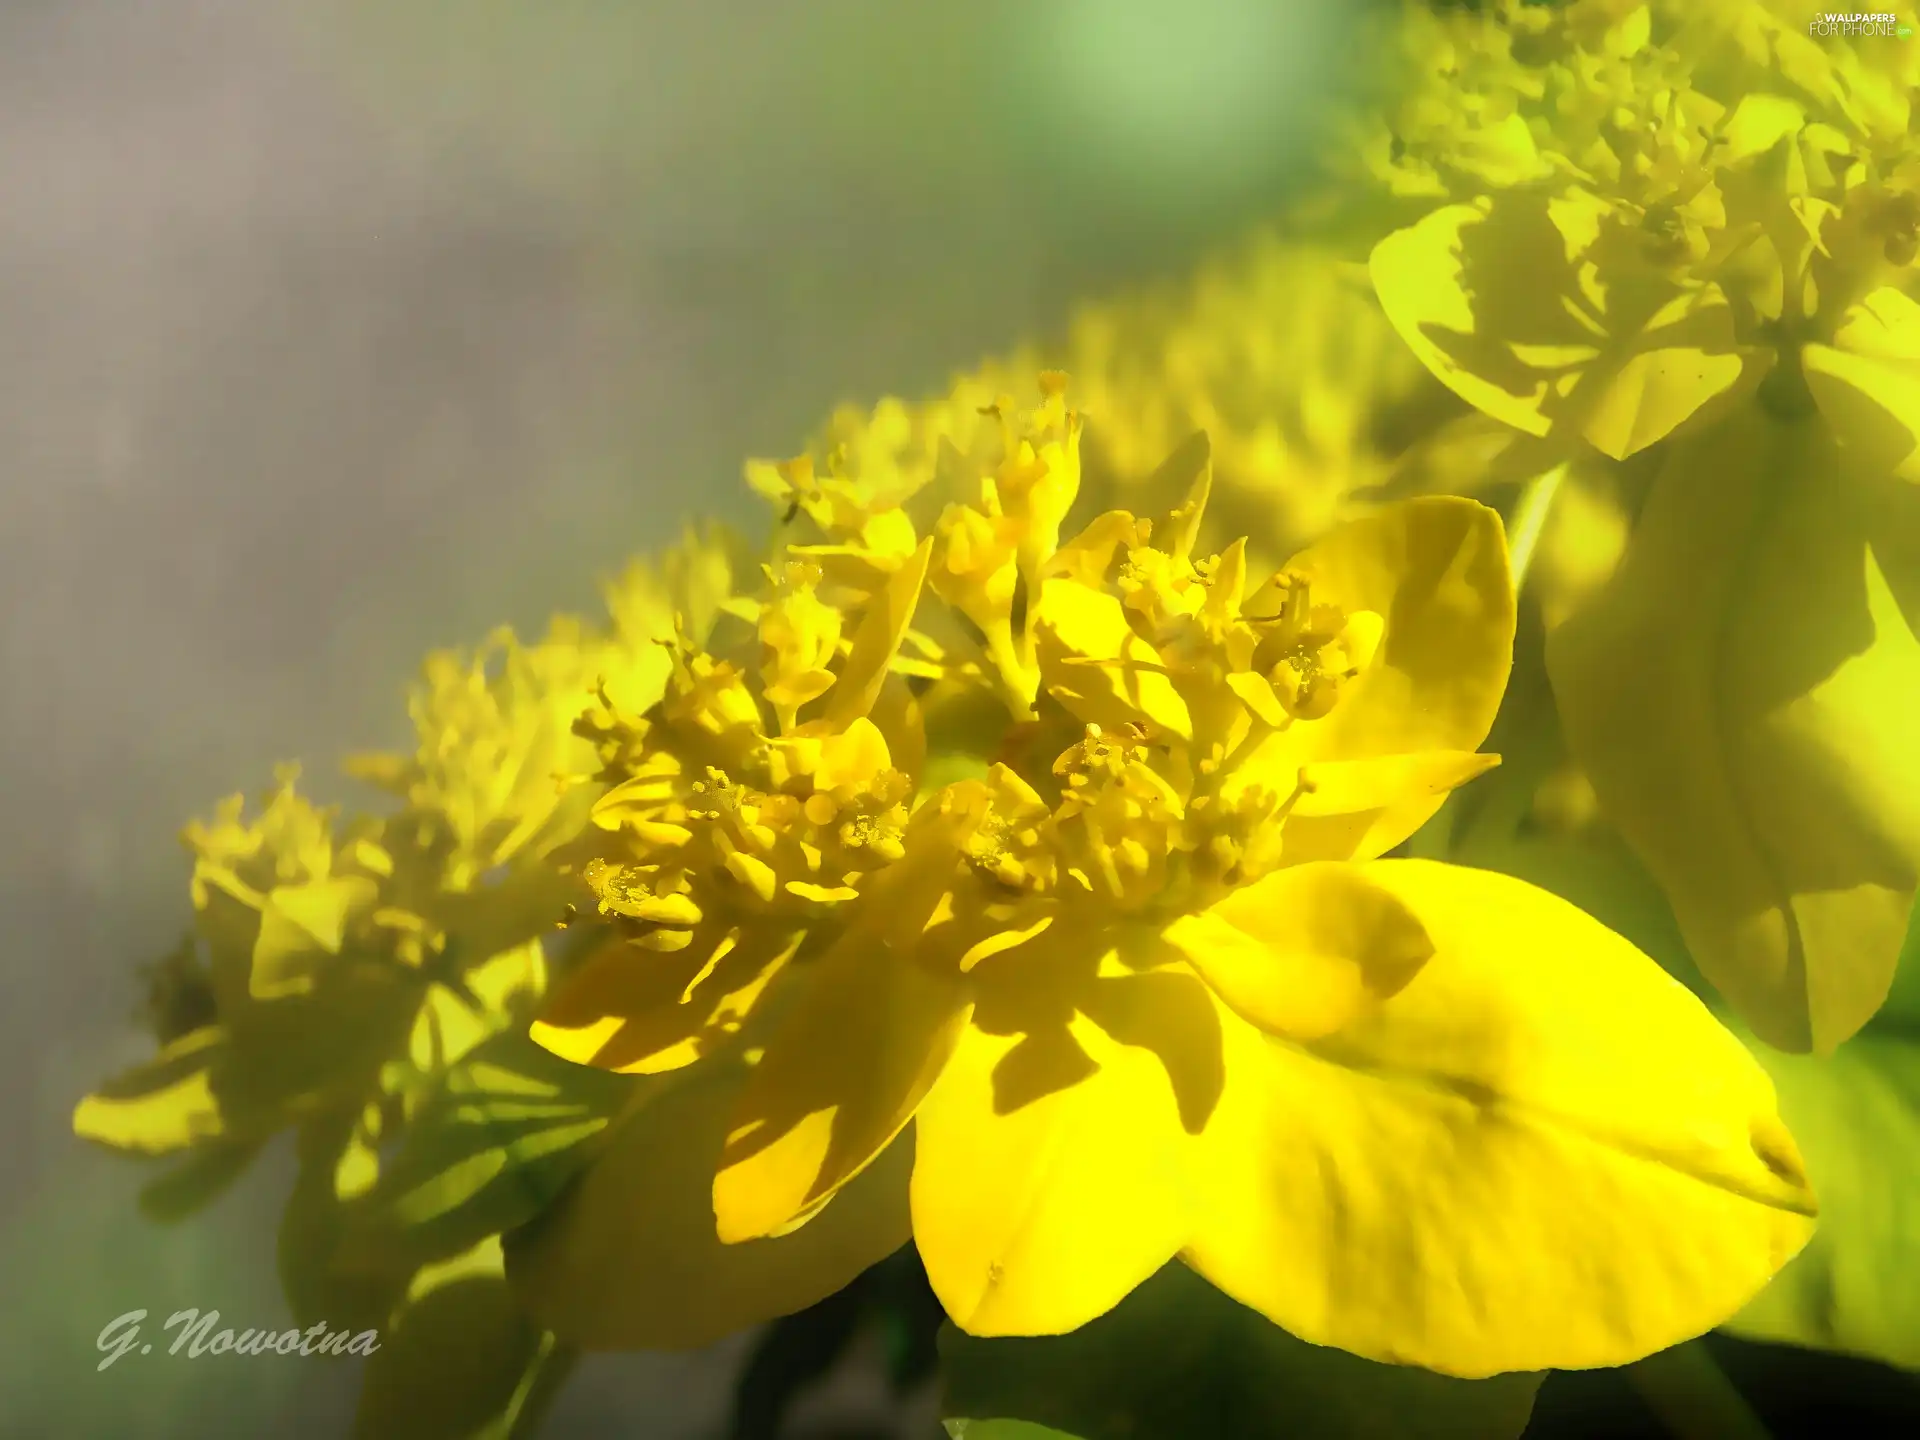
[[331, 332]]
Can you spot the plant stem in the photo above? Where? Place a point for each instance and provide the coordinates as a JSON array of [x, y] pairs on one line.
[[1530, 520]]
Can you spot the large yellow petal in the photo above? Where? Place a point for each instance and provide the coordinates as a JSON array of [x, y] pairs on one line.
[[1055, 1168], [1435, 570], [1350, 787], [1741, 695], [1543, 1153], [628, 1257]]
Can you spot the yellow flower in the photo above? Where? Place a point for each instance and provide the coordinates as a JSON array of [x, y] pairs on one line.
[[1064, 901]]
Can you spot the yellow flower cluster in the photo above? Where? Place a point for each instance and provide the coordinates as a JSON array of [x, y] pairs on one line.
[[1122, 725], [1008, 877]]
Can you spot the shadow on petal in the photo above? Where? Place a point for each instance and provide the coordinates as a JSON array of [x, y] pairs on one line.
[[643, 1011]]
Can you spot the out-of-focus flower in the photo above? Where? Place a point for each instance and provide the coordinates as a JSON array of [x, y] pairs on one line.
[[324, 950], [1068, 862], [323, 985], [1708, 249], [355, 981], [1276, 350]]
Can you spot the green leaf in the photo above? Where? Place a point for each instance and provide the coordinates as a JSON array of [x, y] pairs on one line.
[[1856, 1117], [1177, 1358], [502, 1132], [1903, 1000], [460, 1362]]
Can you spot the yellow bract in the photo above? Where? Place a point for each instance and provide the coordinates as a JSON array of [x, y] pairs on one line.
[[1741, 694], [1540, 1094]]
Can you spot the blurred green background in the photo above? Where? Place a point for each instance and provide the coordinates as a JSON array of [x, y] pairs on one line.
[[334, 330]]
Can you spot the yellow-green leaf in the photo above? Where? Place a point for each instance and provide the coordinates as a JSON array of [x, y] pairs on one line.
[[300, 1053], [460, 1361], [1857, 1117], [1741, 695], [300, 925], [324, 1275], [1536, 819], [497, 1140]]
